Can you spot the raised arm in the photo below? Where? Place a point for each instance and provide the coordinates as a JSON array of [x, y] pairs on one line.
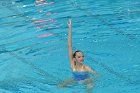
[[70, 43]]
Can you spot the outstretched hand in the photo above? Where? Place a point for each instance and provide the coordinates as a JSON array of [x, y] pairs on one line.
[[69, 23]]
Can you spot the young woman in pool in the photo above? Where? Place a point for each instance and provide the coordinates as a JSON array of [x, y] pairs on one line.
[[81, 72]]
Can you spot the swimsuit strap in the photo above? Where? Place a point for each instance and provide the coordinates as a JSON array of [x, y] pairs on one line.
[[82, 69]]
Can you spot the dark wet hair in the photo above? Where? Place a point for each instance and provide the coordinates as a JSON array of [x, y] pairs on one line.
[[74, 54]]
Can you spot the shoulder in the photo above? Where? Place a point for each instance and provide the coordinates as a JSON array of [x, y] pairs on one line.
[[87, 68]]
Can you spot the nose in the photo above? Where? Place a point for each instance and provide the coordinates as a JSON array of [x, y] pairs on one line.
[[82, 59]]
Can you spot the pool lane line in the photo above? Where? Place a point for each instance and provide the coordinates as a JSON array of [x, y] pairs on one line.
[[29, 47], [50, 32], [34, 37], [22, 15], [32, 45], [38, 70], [111, 71], [130, 36], [22, 59]]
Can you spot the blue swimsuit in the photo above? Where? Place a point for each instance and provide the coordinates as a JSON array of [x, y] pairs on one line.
[[80, 75]]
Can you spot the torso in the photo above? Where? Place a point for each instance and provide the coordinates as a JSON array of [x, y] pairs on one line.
[[82, 69], [80, 74]]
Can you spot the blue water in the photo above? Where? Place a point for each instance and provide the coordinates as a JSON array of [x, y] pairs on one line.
[[33, 44]]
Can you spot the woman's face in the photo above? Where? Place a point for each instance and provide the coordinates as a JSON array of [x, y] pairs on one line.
[[79, 57]]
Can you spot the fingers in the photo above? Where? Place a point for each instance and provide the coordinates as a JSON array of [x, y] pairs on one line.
[[69, 22]]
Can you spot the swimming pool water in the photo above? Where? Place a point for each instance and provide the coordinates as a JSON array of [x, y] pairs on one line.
[[33, 44]]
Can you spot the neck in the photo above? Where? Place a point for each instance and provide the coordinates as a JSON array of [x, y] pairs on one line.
[[79, 65]]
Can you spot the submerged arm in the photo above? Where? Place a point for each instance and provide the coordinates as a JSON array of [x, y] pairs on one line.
[[91, 70], [94, 73]]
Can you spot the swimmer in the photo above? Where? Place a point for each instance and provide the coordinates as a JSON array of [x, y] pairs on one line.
[[81, 72]]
